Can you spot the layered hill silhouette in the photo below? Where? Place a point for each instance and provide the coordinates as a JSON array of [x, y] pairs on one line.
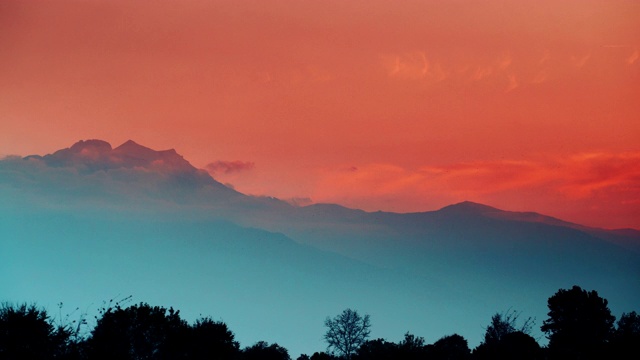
[[89, 222]]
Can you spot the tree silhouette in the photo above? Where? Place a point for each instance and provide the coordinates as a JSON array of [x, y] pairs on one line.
[[628, 324], [626, 338], [505, 339], [27, 333], [347, 332], [450, 347], [579, 324], [138, 332], [412, 347], [210, 339], [263, 351], [515, 345], [322, 356], [378, 349], [503, 324]]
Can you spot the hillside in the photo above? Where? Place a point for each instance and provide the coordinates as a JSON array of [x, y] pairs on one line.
[[91, 222]]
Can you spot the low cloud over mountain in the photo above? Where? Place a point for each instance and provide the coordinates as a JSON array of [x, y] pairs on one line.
[[229, 166]]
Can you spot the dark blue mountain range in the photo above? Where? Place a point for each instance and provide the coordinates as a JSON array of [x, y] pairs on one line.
[[91, 222]]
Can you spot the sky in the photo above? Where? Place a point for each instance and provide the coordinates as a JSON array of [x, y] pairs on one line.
[[378, 105]]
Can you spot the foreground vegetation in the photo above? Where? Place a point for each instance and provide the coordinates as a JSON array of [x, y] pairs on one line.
[[579, 326]]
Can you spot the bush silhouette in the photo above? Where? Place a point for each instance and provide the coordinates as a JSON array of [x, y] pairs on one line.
[[263, 351], [625, 343], [450, 347], [505, 339], [503, 324], [138, 332], [515, 345], [210, 339], [412, 347], [27, 333], [322, 356], [377, 349]]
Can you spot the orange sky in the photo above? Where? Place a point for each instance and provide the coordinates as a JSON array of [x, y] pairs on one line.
[[391, 105]]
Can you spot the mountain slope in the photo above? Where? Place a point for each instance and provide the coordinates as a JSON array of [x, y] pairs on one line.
[[266, 286], [132, 220]]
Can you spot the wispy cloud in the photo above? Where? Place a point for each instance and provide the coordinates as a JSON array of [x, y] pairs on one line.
[[519, 69], [413, 66], [482, 72], [591, 179], [602, 173], [228, 167], [299, 201], [633, 57], [580, 61], [417, 66]]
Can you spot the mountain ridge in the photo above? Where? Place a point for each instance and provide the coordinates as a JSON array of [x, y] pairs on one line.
[[94, 155], [160, 227]]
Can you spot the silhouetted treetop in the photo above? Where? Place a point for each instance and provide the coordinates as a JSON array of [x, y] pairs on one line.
[[503, 324], [138, 332], [580, 326], [263, 351], [579, 323], [347, 332], [209, 339], [378, 349], [27, 333], [451, 347], [626, 339], [628, 324]]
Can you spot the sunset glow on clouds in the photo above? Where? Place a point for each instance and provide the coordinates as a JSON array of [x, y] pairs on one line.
[[604, 183], [374, 104]]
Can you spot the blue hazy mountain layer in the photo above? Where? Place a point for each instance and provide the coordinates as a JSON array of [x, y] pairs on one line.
[[264, 285], [89, 223]]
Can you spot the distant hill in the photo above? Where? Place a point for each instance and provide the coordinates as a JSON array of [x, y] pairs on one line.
[[89, 222]]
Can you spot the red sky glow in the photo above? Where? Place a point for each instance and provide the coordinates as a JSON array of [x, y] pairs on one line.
[[379, 105]]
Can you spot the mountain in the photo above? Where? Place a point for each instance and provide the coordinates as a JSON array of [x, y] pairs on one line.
[[96, 155], [130, 176], [89, 222]]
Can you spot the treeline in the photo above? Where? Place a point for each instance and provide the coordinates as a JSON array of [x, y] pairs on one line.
[[579, 326]]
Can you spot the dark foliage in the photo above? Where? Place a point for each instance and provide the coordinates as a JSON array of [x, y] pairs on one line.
[[377, 349], [263, 351], [412, 347], [138, 332], [210, 339], [505, 339], [503, 324], [27, 333], [450, 347], [322, 356], [512, 346], [625, 343], [579, 326]]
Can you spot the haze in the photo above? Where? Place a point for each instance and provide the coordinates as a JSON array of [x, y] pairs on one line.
[[379, 105]]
